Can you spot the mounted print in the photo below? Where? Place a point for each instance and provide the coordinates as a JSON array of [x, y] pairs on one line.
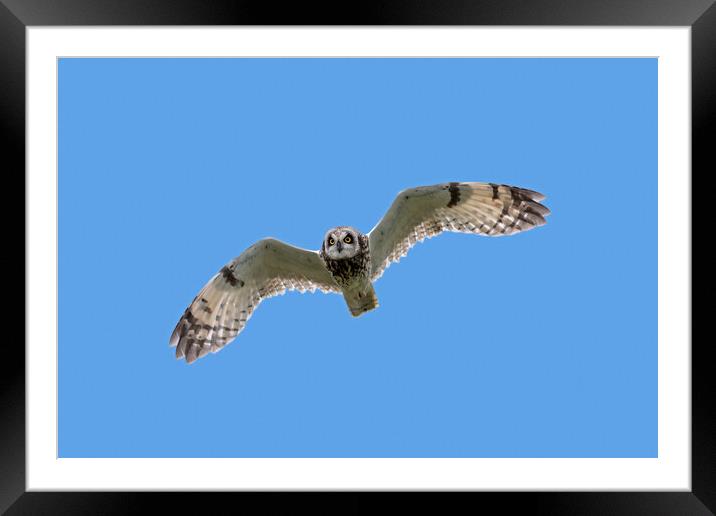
[[359, 258]]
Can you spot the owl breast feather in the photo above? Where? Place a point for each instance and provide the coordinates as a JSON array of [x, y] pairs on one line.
[[348, 271]]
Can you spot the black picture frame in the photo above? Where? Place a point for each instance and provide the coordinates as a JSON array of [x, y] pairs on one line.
[[16, 15]]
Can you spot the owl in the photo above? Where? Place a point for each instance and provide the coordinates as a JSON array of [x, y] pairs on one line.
[[348, 262]]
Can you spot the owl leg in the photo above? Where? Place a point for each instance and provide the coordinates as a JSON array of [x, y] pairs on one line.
[[360, 298]]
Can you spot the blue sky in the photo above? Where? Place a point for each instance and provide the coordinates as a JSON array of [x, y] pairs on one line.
[[542, 344]]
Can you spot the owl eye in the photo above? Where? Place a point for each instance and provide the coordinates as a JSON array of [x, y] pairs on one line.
[[331, 241], [348, 239]]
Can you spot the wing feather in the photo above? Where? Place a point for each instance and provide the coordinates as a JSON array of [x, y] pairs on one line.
[[424, 212], [225, 304]]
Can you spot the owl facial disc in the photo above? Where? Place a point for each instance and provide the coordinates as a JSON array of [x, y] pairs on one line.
[[341, 243]]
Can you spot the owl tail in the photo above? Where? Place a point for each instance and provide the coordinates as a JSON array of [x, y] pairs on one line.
[[361, 300]]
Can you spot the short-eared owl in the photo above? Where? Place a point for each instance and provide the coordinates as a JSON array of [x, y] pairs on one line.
[[349, 261]]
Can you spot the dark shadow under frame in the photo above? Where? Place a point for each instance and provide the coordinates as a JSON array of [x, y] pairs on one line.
[[16, 15]]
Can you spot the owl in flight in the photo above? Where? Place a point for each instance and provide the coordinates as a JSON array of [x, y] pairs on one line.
[[349, 261]]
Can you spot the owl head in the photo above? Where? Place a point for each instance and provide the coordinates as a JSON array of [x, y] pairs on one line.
[[342, 242]]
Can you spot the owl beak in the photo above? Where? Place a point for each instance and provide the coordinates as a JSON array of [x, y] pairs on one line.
[[339, 246]]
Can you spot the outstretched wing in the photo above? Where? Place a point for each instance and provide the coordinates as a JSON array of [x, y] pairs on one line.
[[222, 308], [427, 211]]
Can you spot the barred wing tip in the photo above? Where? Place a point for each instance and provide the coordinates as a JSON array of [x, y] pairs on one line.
[[532, 194]]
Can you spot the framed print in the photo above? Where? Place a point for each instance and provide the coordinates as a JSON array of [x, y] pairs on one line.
[[160, 153]]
